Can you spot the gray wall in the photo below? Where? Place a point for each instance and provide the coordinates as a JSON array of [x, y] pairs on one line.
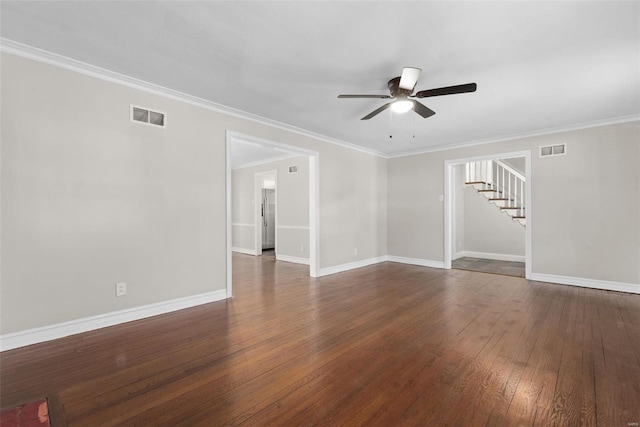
[[585, 205], [487, 229], [90, 199], [292, 201], [517, 163]]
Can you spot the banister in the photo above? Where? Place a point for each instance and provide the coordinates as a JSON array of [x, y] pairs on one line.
[[510, 169]]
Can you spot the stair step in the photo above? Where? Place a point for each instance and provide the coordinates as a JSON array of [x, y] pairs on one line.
[[512, 211], [498, 199], [489, 190], [499, 202], [518, 217], [476, 182]]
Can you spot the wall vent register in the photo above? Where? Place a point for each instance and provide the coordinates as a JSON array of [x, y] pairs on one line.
[[553, 150], [293, 169], [147, 116]]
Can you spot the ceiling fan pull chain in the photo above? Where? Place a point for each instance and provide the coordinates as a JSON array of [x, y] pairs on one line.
[[390, 124], [414, 126]]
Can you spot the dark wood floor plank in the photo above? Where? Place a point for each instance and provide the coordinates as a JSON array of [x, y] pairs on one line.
[[383, 345]]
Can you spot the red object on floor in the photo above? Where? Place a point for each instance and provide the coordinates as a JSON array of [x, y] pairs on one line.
[[33, 414]]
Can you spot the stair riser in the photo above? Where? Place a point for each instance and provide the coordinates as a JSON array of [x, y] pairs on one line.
[[513, 212], [490, 194], [481, 186]]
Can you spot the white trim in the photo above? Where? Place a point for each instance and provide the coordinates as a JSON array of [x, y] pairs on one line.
[[242, 224], [510, 169], [490, 255], [40, 55], [633, 288], [449, 196], [498, 156], [229, 236], [351, 265], [25, 51], [314, 215], [293, 227], [86, 324], [416, 261], [513, 137], [293, 259], [244, 251], [528, 234], [264, 161]]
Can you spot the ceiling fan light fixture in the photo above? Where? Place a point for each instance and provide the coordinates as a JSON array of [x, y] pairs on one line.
[[402, 106]]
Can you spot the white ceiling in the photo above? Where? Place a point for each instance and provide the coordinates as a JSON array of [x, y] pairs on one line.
[[539, 66]]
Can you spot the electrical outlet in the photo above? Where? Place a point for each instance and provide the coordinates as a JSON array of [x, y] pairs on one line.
[[355, 251], [301, 248], [121, 289]]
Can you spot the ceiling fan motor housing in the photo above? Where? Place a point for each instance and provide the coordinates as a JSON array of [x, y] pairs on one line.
[[396, 90]]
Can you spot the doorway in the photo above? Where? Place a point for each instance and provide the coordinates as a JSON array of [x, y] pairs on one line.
[[266, 217], [311, 229], [500, 199]]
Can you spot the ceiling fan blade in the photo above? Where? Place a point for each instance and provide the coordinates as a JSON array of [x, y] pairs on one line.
[[449, 90], [366, 96], [377, 111], [422, 109], [409, 78]]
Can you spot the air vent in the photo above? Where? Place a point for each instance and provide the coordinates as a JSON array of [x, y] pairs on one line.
[[293, 169], [553, 150], [147, 116]]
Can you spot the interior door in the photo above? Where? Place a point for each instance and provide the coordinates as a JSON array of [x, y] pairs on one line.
[[268, 218]]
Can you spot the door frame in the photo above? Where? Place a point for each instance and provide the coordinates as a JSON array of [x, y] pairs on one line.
[[314, 194], [449, 207], [257, 220]]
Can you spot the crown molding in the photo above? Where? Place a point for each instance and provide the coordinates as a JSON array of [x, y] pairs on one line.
[[25, 51], [20, 49], [548, 131]]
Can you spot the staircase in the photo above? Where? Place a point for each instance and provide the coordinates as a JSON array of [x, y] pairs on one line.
[[501, 185]]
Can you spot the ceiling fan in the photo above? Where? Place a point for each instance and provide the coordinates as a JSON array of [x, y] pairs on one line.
[[401, 89]]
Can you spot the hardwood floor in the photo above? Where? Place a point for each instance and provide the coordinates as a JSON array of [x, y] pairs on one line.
[[385, 345], [509, 268]]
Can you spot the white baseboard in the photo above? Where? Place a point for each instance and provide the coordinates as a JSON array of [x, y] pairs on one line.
[[633, 288], [244, 251], [294, 259], [351, 265], [490, 255], [60, 330], [416, 261]]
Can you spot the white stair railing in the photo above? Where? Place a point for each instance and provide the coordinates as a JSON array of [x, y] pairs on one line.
[[480, 171], [501, 184]]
